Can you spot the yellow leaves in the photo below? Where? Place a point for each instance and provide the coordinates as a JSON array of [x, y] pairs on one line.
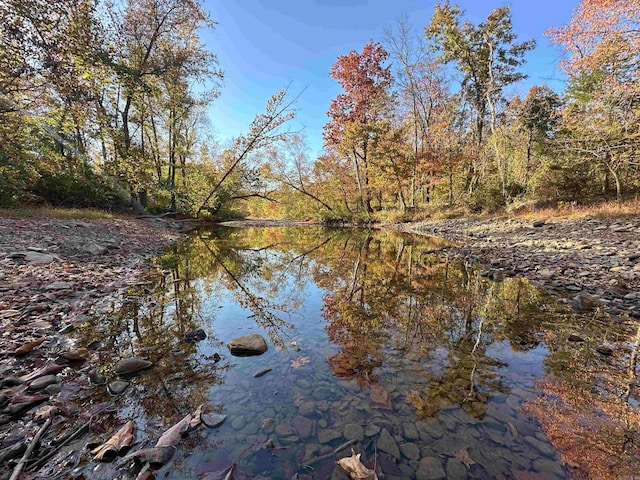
[[355, 468]]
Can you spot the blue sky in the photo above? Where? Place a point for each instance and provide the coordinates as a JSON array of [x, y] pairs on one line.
[[263, 45]]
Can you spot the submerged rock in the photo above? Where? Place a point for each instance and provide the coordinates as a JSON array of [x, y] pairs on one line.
[[387, 443], [248, 345], [267, 424], [195, 336], [128, 366], [212, 420]]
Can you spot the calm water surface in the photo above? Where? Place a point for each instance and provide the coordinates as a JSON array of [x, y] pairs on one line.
[[422, 365]]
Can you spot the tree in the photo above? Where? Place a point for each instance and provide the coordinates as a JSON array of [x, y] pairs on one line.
[[487, 57], [421, 92], [603, 36], [365, 82], [264, 132], [290, 167], [537, 116], [601, 120]]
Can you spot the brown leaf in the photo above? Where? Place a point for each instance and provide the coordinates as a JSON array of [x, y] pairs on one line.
[[464, 457], [48, 411], [355, 468], [380, 397], [116, 444], [28, 347], [171, 437], [50, 368]]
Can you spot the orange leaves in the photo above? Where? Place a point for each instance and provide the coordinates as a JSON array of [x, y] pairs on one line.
[[601, 32]]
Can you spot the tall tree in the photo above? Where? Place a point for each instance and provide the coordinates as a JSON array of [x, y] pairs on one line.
[[421, 92], [365, 81], [264, 131], [487, 57]]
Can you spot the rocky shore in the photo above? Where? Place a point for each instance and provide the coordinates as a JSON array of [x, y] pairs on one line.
[[56, 275], [57, 270], [592, 262]]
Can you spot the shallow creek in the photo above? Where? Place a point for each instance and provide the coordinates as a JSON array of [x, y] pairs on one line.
[[377, 343]]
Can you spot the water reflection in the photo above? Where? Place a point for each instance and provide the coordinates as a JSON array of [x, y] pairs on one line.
[[376, 339]]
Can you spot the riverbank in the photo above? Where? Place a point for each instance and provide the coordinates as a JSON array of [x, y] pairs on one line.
[[56, 270], [594, 262]]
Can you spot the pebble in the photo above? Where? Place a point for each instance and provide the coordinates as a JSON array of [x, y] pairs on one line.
[[117, 387]]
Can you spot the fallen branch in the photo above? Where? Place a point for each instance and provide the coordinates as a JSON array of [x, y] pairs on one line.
[[80, 431], [18, 469]]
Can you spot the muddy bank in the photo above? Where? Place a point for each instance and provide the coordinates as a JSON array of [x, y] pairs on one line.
[[593, 262]]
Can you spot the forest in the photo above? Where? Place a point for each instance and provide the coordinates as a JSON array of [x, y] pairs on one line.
[[104, 104]]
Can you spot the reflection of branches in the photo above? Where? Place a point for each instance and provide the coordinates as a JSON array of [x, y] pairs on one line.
[[259, 307], [303, 255]]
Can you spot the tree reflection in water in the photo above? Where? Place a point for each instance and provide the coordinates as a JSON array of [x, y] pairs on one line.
[[434, 335]]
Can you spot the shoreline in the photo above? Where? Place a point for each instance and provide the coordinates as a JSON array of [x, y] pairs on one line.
[[591, 261]]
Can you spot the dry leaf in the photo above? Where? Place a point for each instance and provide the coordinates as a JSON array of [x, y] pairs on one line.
[[355, 468], [28, 347], [464, 457], [300, 362], [50, 368], [115, 445], [380, 397], [48, 411], [196, 420], [171, 437]]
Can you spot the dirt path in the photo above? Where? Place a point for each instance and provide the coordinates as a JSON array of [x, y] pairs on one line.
[[594, 262]]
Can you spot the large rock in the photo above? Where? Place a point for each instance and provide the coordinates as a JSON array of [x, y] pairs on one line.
[[248, 345]]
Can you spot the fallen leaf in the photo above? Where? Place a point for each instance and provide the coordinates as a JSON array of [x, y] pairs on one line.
[[50, 368], [45, 412], [116, 444], [28, 347], [226, 474], [172, 437], [196, 419], [355, 468], [300, 362], [380, 397], [464, 457]]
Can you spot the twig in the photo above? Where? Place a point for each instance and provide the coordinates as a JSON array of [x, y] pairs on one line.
[[70, 438], [18, 469]]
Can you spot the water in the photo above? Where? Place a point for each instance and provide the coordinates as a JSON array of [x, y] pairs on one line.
[[422, 365]]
